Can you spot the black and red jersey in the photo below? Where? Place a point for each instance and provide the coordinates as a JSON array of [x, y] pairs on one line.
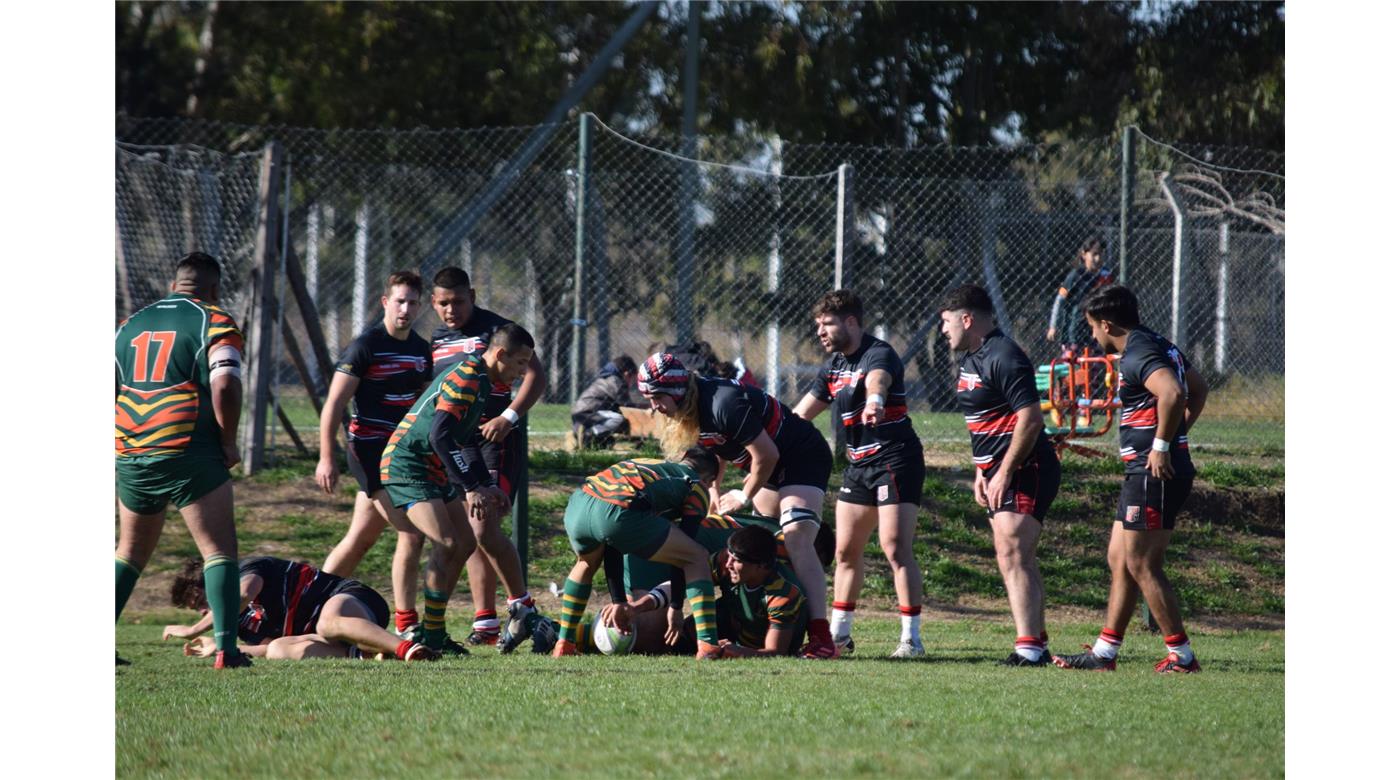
[[290, 601], [391, 372], [843, 386], [450, 344], [995, 381], [1144, 354], [732, 415]]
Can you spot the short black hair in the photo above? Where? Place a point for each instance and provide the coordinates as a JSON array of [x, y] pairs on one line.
[[1091, 244], [513, 337], [841, 304], [199, 268], [451, 277], [704, 462], [625, 364], [1114, 303], [726, 370], [968, 297], [754, 544]]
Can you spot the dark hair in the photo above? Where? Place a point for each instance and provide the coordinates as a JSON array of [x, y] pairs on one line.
[[726, 370], [1091, 244], [513, 337], [704, 462], [410, 279], [825, 544], [199, 268], [841, 303], [450, 278], [754, 544], [625, 364], [1114, 303], [188, 588], [968, 297]]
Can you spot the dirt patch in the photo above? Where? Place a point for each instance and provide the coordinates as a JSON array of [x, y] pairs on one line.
[[1257, 510]]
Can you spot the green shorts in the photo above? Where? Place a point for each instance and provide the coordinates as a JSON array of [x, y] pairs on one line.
[[405, 494], [146, 485], [591, 522], [638, 573]]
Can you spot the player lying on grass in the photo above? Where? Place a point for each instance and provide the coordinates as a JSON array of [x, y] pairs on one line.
[[641, 506], [434, 458], [294, 611]]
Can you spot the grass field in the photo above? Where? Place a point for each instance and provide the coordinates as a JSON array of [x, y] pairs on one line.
[[954, 714]]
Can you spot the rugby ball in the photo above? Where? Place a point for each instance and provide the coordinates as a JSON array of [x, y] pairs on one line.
[[611, 641]]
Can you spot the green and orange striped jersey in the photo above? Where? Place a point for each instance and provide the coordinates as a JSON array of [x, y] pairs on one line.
[[671, 490], [777, 603], [164, 406], [461, 392]]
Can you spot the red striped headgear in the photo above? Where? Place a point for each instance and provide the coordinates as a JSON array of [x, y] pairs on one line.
[[662, 373]]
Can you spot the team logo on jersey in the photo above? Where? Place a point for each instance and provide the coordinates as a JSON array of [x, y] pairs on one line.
[[1132, 514], [968, 381]]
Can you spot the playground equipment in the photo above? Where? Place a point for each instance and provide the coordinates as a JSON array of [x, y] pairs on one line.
[[1080, 399]]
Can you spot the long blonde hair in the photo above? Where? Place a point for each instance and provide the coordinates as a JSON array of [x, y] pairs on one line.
[[681, 431]]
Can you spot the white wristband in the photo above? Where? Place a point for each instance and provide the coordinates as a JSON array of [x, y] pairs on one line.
[[511, 416], [874, 399], [738, 495], [1161, 445]]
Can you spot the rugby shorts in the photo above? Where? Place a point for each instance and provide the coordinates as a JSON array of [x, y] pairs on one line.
[[1031, 488], [147, 484], [362, 459], [1147, 503], [590, 522], [803, 462], [897, 478]]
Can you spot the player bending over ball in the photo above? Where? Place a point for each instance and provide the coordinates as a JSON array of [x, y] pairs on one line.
[[178, 395], [787, 460], [864, 385], [635, 506], [292, 611], [1018, 472], [384, 369], [432, 459], [1162, 396]]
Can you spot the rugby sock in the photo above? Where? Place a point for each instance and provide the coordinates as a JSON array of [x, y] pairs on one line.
[[127, 575], [819, 630], [909, 623], [843, 613], [523, 598], [1030, 648], [1179, 644], [701, 594], [1106, 646], [434, 618], [571, 606], [403, 648], [486, 622], [221, 588], [405, 618]]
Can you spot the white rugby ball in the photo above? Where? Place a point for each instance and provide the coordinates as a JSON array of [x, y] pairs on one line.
[[611, 641]]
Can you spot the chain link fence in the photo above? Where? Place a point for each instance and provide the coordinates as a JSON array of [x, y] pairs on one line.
[[728, 239]]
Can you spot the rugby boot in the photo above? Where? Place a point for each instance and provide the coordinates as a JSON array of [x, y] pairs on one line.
[[1086, 661], [1016, 659], [518, 627], [908, 648], [451, 646], [821, 648], [844, 645], [482, 637], [231, 659], [564, 647], [708, 652], [1172, 663], [413, 633], [421, 652]]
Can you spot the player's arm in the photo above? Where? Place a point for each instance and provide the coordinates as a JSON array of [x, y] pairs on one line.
[[531, 388], [763, 455], [226, 390], [249, 586], [1171, 406], [1196, 392], [877, 385], [343, 387], [810, 406]]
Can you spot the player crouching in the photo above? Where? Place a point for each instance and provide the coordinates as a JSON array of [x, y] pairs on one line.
[[294, 611]]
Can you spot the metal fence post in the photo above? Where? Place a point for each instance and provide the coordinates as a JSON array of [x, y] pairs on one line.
[[690, 185], [775, 271], [839, 274], [520, 501], [1127, 179], [580, 249], [263, 303], [1222, 311], [1180, 237]]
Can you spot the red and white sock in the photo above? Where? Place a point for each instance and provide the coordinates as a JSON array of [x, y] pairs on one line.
[[1106, 646], [405, 618], [843, 613], [486, 622], [909, 623], [523, 598], [1179, 644], [403, 649], [1030, 648]]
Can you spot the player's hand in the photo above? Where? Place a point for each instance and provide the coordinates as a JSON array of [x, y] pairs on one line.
[[327, 475], [732, 501], [486, 503], [675, 626], [201, 647], [979, 488], [872, 414], [1159, 464], [619, 616], [176, 632], [1050, 335], [496, 429], [996, 488], [231, 456]]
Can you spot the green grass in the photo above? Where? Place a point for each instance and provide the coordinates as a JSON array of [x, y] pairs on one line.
[[954, 714]]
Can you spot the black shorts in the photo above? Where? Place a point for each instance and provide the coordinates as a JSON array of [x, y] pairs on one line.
[[367, 596], [1146, 502], [806, 461], [503, 461], [897, 478], [362, 457], [1032, 487]]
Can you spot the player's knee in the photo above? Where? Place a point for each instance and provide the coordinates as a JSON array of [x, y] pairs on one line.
[[285, 649], [849, 557]]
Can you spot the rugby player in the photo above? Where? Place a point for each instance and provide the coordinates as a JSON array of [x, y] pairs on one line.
[[383, 369], [787, 460], [1017, 470], [1087, 273], [179, 393], [864, 385], [292, 611], [433, 458], [648, 508], [467, 329], [1162, 397]]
